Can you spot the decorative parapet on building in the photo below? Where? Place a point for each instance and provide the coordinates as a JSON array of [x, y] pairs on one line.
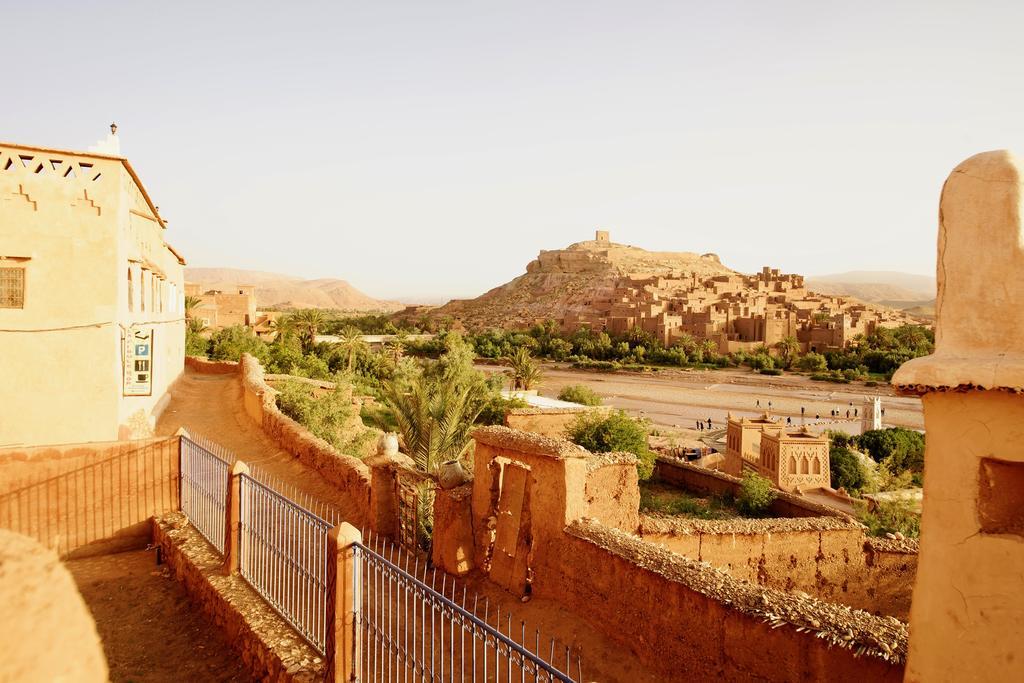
[[968, 610]]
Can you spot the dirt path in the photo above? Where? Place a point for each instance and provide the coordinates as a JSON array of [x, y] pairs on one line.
[[211, 406], [150, 630]]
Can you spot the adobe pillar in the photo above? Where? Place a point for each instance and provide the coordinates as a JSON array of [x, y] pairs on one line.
[[967, 616]]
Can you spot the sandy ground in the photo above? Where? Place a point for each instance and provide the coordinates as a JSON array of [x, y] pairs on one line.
[[678, 398], [150, 630], [211, 405]]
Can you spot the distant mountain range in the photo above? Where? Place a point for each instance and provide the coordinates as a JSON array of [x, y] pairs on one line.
[[287, 291], [905, 291]]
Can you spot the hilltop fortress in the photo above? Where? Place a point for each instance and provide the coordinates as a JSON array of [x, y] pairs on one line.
[[610, 287]]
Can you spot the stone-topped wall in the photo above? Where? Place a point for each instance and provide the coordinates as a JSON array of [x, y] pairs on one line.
[[680, 616], [211, 367], [821, 551], [692, 621], [264, 640]]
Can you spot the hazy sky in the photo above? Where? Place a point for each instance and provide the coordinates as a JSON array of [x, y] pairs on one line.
[[427, 149]]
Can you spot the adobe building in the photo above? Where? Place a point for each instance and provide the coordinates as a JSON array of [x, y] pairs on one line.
[[795, 461], [91, 298], [219, 309], [968, 606], [743, 442]]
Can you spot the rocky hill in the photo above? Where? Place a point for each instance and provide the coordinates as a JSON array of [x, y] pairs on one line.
[[877, 286], [286, 291], [566, 280]]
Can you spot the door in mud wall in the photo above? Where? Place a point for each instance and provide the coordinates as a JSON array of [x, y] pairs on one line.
[[510, 558]]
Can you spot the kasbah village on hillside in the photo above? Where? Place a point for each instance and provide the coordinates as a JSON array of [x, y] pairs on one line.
[[623, 465]]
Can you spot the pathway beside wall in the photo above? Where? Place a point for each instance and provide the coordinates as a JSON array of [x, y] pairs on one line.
[[211, 405]]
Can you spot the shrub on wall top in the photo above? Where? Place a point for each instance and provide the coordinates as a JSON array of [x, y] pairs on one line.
[[579, 393], [600, 433], [756, 495]]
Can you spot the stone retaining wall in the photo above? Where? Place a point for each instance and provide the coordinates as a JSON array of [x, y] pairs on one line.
[[264, 640]]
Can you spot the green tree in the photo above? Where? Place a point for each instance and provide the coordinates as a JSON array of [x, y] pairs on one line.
[[351, 345], [615, 432], [901, 449], [307, 323], [231, 342], [891, 517], [756, 495], [788, 348], [579, 393], [846, 470], [191, 304], [812, 362], [525, 371]]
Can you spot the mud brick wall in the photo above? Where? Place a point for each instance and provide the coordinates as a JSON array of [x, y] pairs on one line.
[[86, 499]]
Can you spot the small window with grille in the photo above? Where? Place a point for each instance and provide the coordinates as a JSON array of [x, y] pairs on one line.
[[12, 288]]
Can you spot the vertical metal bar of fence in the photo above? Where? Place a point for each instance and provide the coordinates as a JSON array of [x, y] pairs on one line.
[[203, 480], [286, 558], [380, 625]]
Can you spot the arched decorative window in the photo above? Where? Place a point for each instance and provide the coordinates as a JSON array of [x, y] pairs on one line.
[[817, 466], [792, 465], [131, 291], [804, 465]]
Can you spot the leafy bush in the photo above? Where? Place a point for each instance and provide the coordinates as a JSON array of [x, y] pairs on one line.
[[812, 362], [761, 361], [901, 449], [770, 371], [579, 393], [756, 495], [496, 408], [601, 433], [196, 344], [603, 365], [846, 469], [331, 417], [893, 516], [231, 342]]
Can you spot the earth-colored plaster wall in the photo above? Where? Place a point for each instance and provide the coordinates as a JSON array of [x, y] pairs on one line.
[[48, 632], [826, 557], [693, 622], [612, 491], [347, 473], [60, 356], [687, 619], [91, 498], [809, 547], [967, 576], [549, 422], [211, 367]]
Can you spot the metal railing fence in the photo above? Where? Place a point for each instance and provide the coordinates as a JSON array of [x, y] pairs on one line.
[[408, 630], [283, 554], [204, 490]]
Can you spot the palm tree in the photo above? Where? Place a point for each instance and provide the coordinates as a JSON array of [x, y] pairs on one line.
[[434, 418], [351, 344], [191, 304], [196, 326], [788, 348], [525, 371], [307, 323]]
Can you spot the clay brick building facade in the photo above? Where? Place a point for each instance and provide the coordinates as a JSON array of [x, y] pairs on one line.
[[794, 460], [91, 298]]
